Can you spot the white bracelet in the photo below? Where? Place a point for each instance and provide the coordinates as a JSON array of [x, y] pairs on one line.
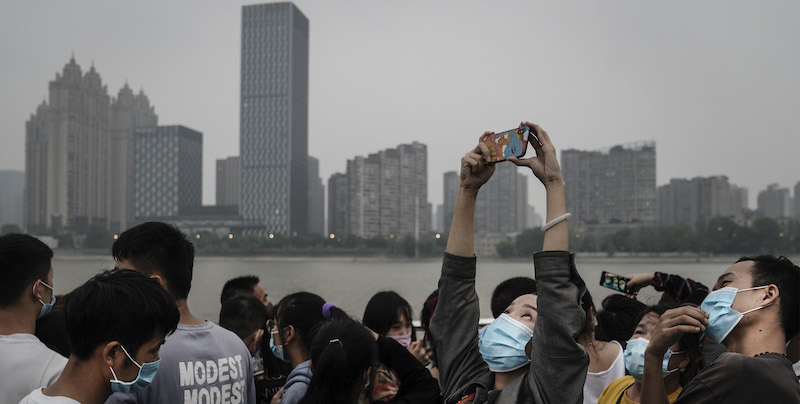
[[556, 221]]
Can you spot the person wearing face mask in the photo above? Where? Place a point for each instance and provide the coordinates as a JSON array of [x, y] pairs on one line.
[[247, 317], [116, 324], [753, 311], [201, 361], [515, 361], [26, 293], [680, 363], [296, 316], [388, 314]]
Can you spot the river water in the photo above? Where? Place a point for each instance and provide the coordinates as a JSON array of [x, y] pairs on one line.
[[350, 283]]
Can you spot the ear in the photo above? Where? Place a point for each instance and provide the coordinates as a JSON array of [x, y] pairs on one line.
[[111, 353], [771, 296], [160, 280], [288, 334]]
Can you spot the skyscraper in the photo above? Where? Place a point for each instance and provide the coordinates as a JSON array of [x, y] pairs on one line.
[[316, 198], [337, 204], [129, 113], [613, 186], [274, 119], [168, 172], [228, 185]]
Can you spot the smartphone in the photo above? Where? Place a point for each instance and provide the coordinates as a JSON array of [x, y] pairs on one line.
[[616, 282], [510, 143]]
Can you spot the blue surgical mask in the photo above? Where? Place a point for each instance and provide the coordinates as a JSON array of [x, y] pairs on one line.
[[722, 319], [46, 307], [147, 372], [634, 359], [277, 350], [503, 344]]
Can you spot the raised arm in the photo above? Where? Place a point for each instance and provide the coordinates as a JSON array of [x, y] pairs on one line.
[[546, 168], [474, 173]]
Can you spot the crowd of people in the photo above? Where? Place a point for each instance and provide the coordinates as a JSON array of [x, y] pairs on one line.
[[127, 335]]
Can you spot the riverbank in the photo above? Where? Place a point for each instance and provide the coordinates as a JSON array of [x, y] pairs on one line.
[[626, 258]]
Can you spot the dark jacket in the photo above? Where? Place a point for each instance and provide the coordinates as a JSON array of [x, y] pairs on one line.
[[558, 363]]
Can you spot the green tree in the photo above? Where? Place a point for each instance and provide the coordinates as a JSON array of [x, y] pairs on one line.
[[10, 228], [506, 249]]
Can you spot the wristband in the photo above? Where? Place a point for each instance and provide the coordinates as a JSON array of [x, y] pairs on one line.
[[556, 221]]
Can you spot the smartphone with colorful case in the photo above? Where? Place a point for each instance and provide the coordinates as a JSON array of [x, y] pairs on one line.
[[510, 143]]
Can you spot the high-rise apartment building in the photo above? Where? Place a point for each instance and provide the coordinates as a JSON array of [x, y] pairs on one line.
[[383, 194], [699, 199], [613, 186], [797, 200], [168, 172], [78, 153], [338, 204], [774, 202], [739, 202], [12, 189], [502, 202], [228, 181], [316, 198], [274, 119]]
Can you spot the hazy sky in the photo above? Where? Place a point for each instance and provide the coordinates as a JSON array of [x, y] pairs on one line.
[[715, 83]]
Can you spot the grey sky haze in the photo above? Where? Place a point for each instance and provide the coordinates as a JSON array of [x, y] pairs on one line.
[[715, 83]]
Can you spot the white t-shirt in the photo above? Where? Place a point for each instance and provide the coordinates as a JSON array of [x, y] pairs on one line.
[[199, 364], [26, 365], [597, 382], [37, 397]]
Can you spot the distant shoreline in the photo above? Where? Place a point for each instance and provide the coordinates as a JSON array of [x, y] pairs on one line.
[[579, 257]]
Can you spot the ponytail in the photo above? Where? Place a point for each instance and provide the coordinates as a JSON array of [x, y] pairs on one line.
[[341, 353]]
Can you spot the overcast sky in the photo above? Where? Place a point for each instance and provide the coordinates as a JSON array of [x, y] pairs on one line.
[[715, 83]]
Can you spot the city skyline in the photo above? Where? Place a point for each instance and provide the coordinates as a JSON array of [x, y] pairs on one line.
[[707, 91]]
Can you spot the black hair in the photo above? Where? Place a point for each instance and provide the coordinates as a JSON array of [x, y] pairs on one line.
[[428, 308], [118, 305], [425, 315], [587, 304], [510, 289], [303, 311], [617, 320], [23, 259], [158, 248], [384, 309], [242, 285], [781, 272], [689, 343], [243, 315], [341, 353]]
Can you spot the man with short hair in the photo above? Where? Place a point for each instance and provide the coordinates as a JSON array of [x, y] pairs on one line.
[[508, 290], [201, 361], [26, 293], [248, 285], [753, 311], [246, 317], [116, 323]]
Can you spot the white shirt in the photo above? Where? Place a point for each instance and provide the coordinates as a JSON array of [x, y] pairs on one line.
[[37, 397], [27, 364], [597, 382]]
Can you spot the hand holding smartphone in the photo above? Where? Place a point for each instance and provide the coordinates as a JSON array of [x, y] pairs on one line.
[[616, 282], [510, 143]]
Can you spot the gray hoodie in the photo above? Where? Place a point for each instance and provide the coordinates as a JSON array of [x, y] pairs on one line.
[[558, 363], [297, 383]]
